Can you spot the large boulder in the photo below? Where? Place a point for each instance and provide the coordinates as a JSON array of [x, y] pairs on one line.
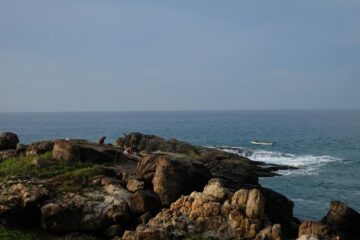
[[207, 216], [146, 167], [175, 177], [86, 152], [343, 219], [8, 140], [151, 143]]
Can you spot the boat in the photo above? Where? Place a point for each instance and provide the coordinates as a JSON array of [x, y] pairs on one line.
[[262, 143]]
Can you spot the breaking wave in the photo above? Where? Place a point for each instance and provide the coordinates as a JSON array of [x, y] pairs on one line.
[[306, 164]]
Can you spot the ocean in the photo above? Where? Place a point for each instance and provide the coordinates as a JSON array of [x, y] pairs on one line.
[[323, 144]]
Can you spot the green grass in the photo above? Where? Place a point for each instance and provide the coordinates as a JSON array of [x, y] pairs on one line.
[[12, 234], [64, 175]]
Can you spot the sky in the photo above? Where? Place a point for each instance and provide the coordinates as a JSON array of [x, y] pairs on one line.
[[86, 55]]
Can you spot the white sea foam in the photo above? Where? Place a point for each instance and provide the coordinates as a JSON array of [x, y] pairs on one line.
[[306, 164]]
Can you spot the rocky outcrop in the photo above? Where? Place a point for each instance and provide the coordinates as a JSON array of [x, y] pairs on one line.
[[8, 140], [208, 215], [144, 201], [20, 205], [86, 152], [150, 143], [343, 219], [175, 177]]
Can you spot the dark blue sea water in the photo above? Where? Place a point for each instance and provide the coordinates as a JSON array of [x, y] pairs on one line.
[[324, 144]]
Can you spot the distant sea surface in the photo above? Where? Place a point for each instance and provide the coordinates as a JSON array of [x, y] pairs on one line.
[[323, 144]]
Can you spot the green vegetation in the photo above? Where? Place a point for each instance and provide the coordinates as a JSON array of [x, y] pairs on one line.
[[65, 175], [12, 234]]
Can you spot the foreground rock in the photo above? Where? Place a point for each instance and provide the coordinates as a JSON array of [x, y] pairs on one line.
[[86, 152], [212, 214], [172, 177], [8, 140]]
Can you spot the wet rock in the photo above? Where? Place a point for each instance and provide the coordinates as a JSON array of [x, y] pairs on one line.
[[86, 152], [8, 140], [175, 177]]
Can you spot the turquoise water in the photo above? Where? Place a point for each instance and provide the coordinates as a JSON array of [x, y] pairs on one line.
[[324, 144]]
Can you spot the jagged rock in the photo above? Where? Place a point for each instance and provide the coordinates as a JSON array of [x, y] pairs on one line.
[[343, 219], [204, 215], [151, 143], [20, 205], [86, 152], [174, 177], [143, 201], [128, 235], [134, 185], [38, 148], [8, 140]]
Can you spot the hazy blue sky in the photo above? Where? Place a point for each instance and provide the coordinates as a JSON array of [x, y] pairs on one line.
[[74, 55]]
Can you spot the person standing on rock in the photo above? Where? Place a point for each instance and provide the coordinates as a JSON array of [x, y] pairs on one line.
[[102, 140]]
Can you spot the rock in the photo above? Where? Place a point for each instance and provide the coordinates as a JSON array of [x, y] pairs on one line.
[[90, 213], [38, 148], [175, 177], [128, 235], [205, 216], [8, 140], [343, 219], [314, 228], [86, 152], [134, 185], [5, 154], [144, 218], [279, 209], [255, 205], [113, 231], [151, 143], [20, 205], [147, 166], [143, 201], [21, 149], [64, 216], [240, 198], [216, 189]]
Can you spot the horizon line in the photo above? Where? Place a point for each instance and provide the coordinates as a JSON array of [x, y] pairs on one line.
[[186, 110]]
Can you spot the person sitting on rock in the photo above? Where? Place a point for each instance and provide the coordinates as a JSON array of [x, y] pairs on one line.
[[102, 140]]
